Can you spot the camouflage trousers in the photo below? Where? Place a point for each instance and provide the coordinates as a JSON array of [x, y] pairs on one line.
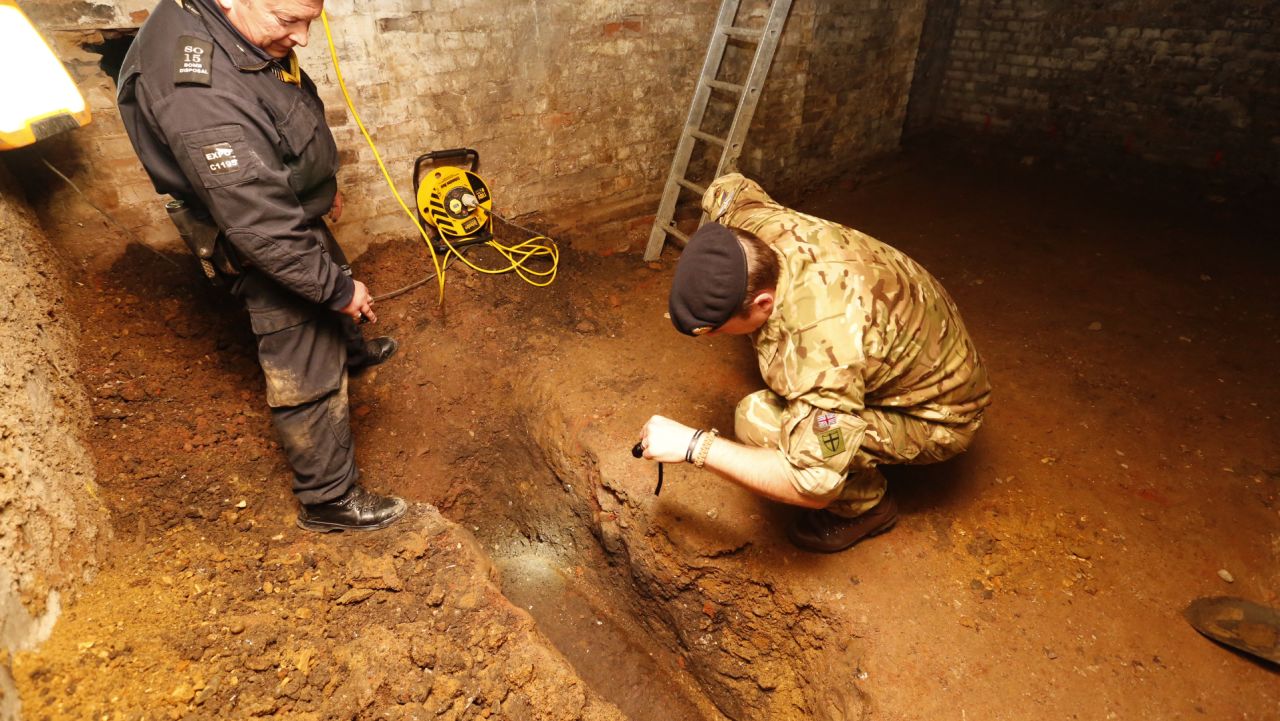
[[891, 437]]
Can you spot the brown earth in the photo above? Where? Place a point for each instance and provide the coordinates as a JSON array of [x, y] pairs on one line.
[[1130, 455]]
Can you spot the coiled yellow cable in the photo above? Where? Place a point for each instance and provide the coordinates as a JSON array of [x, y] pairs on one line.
[[517, 256]]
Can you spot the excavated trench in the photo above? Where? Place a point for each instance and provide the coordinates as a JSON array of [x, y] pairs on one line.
[[666, 611], [481, 418], [660, 633], [514, 410]]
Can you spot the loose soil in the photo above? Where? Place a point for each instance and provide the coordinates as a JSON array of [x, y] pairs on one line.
[[1129, 465]]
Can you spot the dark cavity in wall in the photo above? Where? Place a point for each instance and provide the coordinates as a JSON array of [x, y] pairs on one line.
[[114, 45]]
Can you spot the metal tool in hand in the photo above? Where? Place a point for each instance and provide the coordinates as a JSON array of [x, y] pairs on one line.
[[637, 451]]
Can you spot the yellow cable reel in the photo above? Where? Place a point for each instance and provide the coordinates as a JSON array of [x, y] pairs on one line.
[[517, 256], [453, 200]]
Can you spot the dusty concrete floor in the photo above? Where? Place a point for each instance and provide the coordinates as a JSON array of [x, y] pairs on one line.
[[1131, 453]]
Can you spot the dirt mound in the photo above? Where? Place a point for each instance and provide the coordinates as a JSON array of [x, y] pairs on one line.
[[216, 605], [52, 521], [396, 625]]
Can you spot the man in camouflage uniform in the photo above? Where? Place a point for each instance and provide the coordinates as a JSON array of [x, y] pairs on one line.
[[865, 355]]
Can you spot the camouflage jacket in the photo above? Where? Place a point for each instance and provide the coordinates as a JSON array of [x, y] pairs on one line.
[[857, 326]]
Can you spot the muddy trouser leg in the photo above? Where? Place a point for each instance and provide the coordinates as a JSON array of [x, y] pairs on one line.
[[353, 337], [303, 352], [891, 437], [316, 437]]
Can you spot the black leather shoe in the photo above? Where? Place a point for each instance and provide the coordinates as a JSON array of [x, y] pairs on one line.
[[358, 510], [377, 351]]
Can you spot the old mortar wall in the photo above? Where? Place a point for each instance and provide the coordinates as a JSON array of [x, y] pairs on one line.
[[1192, 87], [50, 519], [837, 92], [574, 107]]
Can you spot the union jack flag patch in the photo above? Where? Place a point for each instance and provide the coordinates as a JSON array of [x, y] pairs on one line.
[[825, 421]]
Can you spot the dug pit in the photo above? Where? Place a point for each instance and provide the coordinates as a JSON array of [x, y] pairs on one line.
[[663, 607], [510, 409]]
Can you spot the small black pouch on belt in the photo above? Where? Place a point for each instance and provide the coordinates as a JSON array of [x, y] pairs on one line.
[[332, 248], [204, 240]]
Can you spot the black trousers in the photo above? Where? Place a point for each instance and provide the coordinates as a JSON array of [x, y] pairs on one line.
[[304, 350]]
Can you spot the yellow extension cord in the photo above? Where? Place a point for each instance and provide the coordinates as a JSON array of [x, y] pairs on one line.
[[517, 256]]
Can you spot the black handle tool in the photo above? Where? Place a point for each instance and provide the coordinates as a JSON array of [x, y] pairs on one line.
[[637, 451]]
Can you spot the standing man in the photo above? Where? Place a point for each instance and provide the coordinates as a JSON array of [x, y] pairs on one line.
[[865, 355], [224, 121]]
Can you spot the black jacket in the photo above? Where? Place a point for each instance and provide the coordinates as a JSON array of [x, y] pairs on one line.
[[214, 125]]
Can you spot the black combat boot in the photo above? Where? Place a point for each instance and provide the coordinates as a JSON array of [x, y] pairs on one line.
[[376, 352], [357, 510], [380, 350]]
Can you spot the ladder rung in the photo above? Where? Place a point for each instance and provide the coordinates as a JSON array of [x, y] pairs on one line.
[[743, 33], [701, 191], [707, 138], [722, 85], [684, 239], [747, 95]]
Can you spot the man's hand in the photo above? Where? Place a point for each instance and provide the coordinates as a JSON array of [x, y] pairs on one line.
[[664, 440], [335, 212], [760, 470], [361, 305]]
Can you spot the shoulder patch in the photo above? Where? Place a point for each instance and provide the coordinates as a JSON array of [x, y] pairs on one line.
[[832, 442], [221, 158], [193, 61], [825, 421]]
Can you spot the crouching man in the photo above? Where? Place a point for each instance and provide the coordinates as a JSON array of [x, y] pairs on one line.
[[865, 356]]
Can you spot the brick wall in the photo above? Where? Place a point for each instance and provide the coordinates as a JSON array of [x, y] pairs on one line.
[[856, 59], [837, 92], [931, 64], [1191, 86], [574, 107]]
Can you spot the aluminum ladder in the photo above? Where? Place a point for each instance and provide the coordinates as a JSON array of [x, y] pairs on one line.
[[766, 40]]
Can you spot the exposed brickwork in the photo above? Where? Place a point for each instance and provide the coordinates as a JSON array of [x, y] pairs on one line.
[[574, 106], [931, 64], [837, 93], [1180, 85]]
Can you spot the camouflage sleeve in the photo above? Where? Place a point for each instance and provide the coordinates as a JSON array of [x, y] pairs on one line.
[[824, 366], [720, 194], [819, 447]]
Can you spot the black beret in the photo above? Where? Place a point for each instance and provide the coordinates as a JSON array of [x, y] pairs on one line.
[[710, 281]]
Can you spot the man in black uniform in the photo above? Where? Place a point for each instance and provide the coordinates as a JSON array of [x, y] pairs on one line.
[[223, 120]]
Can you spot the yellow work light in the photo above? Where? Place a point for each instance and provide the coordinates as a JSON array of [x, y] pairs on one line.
[[39, 97]]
